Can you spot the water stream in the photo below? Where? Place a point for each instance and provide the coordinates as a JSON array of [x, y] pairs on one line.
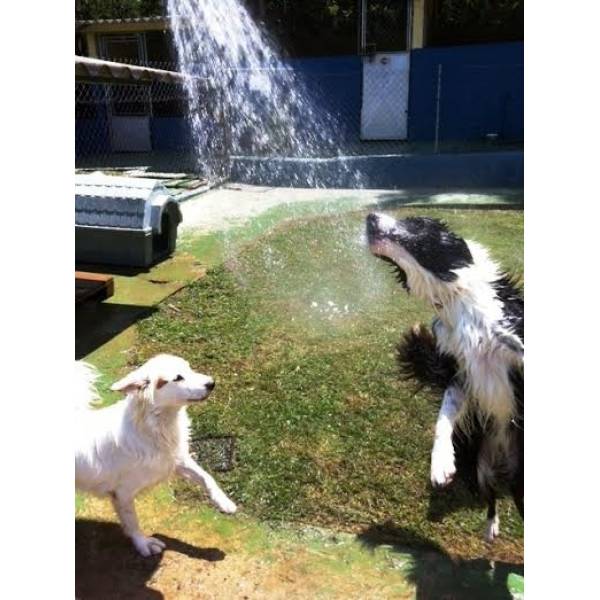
[[245, 100]]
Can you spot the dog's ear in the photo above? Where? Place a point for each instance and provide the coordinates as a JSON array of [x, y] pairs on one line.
[[133, 382]]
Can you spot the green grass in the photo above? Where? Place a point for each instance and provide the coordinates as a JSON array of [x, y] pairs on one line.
[[298, 327]]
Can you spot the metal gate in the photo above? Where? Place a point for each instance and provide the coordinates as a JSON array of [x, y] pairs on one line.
[[385, 41]]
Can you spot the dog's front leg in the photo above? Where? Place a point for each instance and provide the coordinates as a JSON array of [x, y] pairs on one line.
[[443, 468], [192, 471], [125, 509]]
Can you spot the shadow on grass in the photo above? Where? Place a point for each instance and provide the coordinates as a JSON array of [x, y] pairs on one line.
[[444, 502], [124, 271], [98, 322], [438, 576], [107, 565]]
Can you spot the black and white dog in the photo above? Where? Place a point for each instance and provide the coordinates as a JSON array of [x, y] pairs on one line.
[[474, 352]]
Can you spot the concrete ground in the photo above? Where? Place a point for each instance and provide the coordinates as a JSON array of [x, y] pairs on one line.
[[234, 204], [215, 556]]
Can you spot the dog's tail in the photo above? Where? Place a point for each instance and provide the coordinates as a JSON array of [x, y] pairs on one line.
[[420, 360], [86, 394]]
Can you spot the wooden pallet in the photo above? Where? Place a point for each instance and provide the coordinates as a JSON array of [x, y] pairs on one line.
[[93, 286]]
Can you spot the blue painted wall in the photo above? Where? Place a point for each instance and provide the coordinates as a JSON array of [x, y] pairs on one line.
[[170, 134], [335, 84], [450, 171], [481, 92]]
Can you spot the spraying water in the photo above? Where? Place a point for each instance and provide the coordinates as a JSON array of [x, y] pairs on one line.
[[245, 101]]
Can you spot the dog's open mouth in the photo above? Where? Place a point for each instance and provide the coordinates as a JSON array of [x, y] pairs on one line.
[[375, 238], [399, 272]]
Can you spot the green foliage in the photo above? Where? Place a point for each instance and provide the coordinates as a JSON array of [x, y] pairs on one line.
[[117, 9], [310, 27], [464, 21], [484, 12]]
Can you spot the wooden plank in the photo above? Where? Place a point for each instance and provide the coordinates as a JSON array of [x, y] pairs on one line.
[[85, 276], [95, 286]]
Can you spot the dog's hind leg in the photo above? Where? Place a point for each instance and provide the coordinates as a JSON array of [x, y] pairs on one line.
[[492, 529], [188, 469], [487, 488], [443, 466], [125, 509]]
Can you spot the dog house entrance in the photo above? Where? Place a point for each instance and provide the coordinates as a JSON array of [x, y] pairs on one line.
[[161, 241]]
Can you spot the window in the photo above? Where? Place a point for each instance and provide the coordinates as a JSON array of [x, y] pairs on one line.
[[130, 100], [160, 50], [168, 100], [123, 48]]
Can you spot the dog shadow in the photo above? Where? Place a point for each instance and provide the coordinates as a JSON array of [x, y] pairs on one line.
[[445, 501], [107, 565], [435, 574], [99, 322]]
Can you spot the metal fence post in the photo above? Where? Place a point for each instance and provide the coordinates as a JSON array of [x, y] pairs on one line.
[[437, 109]]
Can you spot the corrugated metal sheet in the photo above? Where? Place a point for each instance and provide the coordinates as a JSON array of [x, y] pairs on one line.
[[94, 69], [156, 19]]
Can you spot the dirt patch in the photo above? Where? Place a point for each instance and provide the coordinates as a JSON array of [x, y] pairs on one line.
[[108, 567], [210, 556]]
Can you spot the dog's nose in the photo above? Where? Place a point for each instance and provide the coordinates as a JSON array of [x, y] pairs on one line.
[[210, 385], [372, 221]]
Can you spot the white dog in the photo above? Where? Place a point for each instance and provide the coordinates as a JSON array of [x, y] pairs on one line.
[[133, 445]]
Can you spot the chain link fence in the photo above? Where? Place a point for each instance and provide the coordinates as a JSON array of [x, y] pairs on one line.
[[141, 126], [147, 126]]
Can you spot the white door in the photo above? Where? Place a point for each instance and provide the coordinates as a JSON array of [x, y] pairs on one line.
[[384, 110]]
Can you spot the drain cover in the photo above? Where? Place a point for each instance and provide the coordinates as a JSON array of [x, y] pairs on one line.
[[216, 453]]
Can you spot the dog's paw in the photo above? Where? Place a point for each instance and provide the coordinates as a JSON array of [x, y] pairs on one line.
[[225, 505], [443, 468], [147, 546], [492, 530]]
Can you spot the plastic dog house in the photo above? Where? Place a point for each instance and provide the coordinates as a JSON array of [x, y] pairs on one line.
[[123, 221]]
